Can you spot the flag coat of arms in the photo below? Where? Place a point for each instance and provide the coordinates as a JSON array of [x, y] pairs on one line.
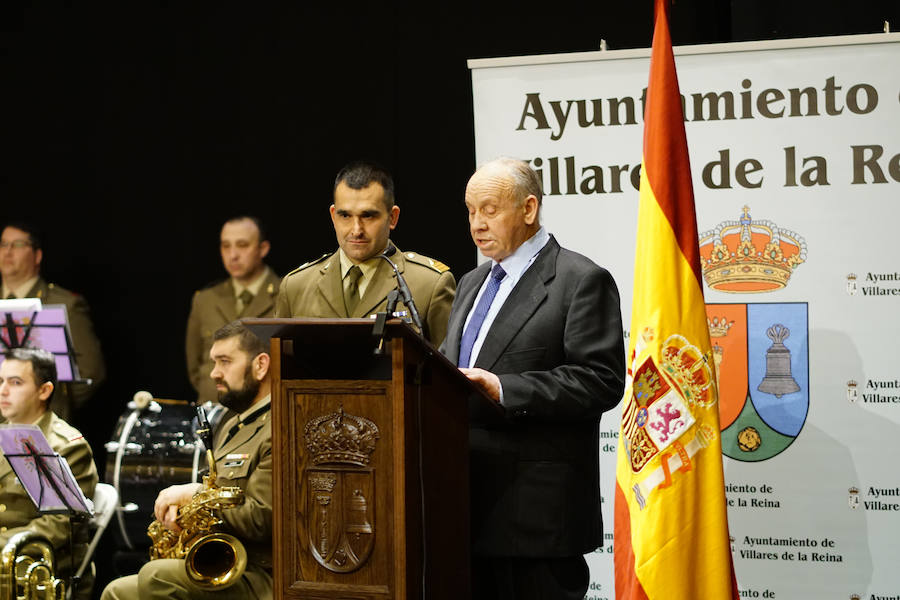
[[671, 525]]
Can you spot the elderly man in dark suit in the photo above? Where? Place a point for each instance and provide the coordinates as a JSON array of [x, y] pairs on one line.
[[540, 330]]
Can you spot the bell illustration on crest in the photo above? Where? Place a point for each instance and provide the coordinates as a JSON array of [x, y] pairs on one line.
[[356, 515], [778, 380]]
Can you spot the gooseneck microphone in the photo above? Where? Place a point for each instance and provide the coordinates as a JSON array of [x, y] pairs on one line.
[[405, 294]]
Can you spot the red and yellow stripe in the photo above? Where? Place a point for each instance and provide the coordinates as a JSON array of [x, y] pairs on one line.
[[672, 544]]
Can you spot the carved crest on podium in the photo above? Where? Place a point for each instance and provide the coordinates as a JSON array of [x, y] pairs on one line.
[[341, 490]]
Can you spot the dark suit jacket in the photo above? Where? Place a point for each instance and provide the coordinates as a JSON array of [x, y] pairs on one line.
[[557, 347]]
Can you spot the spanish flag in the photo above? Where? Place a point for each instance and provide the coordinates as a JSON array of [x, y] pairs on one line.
[[671, 525]]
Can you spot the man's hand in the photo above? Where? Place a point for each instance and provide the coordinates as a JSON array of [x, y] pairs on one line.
[[170, 500], [486, 380]]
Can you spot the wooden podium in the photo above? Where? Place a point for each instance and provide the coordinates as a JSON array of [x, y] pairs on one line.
[[371, 485]]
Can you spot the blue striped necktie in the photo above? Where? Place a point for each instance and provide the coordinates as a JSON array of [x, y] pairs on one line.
[[484, 304]]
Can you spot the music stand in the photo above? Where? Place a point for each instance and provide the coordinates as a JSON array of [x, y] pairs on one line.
[[26, 323], [43, 473], [46, 476]]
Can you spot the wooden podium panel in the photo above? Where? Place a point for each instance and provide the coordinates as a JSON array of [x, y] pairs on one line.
[[370, 482], [343, 493]]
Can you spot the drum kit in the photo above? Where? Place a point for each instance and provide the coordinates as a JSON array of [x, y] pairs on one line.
[[154, 445]]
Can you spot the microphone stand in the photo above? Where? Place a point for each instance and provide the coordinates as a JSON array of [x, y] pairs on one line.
[[405, 294], [381, 319], [402, 292]]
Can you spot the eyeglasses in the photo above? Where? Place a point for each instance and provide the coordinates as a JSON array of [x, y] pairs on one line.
[[15, 244]]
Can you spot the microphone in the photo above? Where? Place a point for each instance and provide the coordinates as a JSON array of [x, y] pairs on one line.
[[405, 294]]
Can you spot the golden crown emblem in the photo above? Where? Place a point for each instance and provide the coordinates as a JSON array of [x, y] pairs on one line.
[[718, 327], [689, 370], [750, 256], [340, 438]]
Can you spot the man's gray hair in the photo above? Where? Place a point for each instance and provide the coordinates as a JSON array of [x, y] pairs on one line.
[[525, 180]]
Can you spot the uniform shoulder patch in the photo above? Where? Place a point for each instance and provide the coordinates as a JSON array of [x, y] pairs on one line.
[[63, 429], [306, 265], [52, 288], [425, 261]]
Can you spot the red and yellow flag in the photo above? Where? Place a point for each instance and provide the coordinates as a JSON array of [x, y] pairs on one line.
[[671, 525]]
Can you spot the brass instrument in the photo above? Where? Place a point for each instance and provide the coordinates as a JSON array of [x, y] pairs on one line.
[[212, 559], [27, 569]]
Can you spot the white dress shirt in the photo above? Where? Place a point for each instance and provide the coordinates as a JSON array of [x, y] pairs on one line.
[[515, 266]]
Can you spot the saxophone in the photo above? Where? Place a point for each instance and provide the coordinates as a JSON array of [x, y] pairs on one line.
[[212, 559]]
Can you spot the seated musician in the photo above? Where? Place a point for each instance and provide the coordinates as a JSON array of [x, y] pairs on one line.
[[27, 382], [242, 449]]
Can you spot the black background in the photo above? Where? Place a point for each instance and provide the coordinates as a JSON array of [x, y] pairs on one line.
[[131, 131]]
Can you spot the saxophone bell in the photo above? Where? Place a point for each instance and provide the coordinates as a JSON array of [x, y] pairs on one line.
[[213, 560], [216, 561]]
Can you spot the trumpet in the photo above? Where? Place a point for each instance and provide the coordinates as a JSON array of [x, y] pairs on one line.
[[28, 569], [212, 559]]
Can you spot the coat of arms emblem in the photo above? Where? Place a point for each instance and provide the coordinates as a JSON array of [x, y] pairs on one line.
[[852, 392], [661, 411], [761, 353], [341, 490]]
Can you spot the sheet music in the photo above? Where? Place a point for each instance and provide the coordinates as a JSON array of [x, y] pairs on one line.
[[23, 446]]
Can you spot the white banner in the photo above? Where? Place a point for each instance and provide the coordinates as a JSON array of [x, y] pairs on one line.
[[795, 156]]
